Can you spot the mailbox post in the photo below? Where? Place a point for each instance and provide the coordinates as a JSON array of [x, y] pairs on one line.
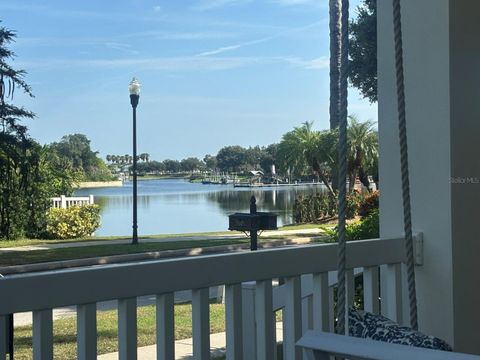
[[253, 232], [253, 222]]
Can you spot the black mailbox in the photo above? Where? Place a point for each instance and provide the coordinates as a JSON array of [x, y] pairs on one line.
[[252, 222], [268, 221]]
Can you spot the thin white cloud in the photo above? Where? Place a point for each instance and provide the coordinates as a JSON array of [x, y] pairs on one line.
[[215, 4], [258, 41], [126, 48], [157, 9], [165, 35], [186, 63], [120, 42], [234, 47], [64, 13], [320, 63], [318, 3]]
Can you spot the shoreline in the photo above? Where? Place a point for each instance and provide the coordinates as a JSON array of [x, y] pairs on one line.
[[99, 184]]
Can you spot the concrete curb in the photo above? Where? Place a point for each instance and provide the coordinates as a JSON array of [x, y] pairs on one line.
[[153, 255]]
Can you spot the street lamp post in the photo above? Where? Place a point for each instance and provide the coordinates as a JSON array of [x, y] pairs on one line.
[[134, 89]]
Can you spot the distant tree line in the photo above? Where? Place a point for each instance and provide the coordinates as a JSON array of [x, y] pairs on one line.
[[301, 153], [230, 159]]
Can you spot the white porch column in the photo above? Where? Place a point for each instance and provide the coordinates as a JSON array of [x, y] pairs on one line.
[[442, 64]]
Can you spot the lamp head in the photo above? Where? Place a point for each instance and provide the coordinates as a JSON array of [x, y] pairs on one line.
[[134, 90], [134, 87]]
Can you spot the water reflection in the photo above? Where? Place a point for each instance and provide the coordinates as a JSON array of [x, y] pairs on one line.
[[177, 206]]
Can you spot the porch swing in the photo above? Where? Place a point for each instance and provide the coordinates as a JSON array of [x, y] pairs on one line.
[[373, 336]]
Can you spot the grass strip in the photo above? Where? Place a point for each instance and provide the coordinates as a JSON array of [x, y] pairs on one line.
[[65, 338], [82, 252], [65, 345], [27, 242]]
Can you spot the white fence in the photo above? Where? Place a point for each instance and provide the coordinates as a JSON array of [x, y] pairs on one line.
[[65, 202], [42, 292]]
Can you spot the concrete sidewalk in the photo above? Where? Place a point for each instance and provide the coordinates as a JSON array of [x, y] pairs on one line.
[[183, 348], [159, 240]]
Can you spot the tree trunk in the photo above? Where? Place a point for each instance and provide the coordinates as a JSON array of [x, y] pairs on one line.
[[323, 177], [362, 175]]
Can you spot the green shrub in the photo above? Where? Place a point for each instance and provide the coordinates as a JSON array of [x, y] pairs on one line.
[[367, 228], [354, 199], [74, 222], [314, 208], [323, 206]]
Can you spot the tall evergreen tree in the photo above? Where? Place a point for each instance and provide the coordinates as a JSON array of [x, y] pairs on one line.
[[18, 153], [10, 79]]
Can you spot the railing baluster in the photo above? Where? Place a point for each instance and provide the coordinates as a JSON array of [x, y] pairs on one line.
[[350, 288], [127, 329], [371, 289], [248, 320], [165, 327], [392, 298], [321, 302], [3, 336], [201, 324], [307, 311], [331, 308], [265, 320], [233, 319], [292, 318], [350, 294], [42, 335], [87, 331]]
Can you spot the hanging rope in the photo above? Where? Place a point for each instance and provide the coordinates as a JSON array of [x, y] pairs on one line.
[[402, 127], [342, 170], [335, 55]]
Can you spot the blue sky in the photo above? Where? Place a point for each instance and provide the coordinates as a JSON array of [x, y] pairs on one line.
[[213, 72]]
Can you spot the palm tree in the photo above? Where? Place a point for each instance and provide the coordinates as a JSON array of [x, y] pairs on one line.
[[109, 158], [303, 148], [363, 150]]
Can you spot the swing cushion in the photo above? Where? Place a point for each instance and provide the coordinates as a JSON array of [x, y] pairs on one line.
[[377, 327]]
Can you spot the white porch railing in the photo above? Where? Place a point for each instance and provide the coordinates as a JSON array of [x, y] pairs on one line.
[[322, 345], [42, 292], [65, 202]]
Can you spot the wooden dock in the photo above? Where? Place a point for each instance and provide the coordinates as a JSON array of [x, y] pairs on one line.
[[262, 185]]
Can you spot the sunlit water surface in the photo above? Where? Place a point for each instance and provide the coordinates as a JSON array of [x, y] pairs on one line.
[[178, 206]]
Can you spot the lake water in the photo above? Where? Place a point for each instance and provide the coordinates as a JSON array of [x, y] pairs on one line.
[[178, 206]]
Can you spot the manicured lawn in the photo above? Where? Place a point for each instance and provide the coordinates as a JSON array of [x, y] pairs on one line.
[[82, 252], [37, 256], [27, 242], [65, 346]]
